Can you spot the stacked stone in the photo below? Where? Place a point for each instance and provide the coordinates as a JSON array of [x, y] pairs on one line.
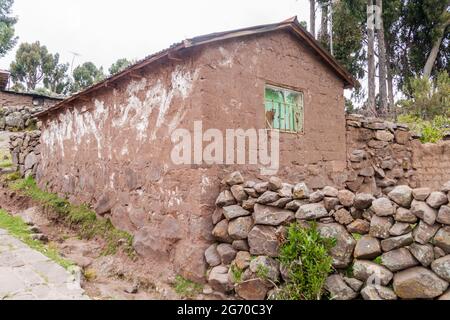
[[380, 155], [25, 152], [387, 247], [18, 118]]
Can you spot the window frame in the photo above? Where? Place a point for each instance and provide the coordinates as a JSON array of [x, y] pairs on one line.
[[301, 108]]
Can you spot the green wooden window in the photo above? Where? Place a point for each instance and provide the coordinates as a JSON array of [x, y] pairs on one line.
[[284, 109]]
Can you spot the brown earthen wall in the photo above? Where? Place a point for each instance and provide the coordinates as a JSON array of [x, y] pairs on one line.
[[20, 100]]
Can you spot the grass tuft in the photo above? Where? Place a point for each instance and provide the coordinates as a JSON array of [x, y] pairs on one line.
[[80, 217], [187, 288], [19, 229]]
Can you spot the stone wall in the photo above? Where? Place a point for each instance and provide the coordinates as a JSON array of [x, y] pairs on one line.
[[25, 151], [388, 246], [431, 162], [18, 118]]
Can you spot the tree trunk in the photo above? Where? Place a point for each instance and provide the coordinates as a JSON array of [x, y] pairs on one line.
[[324, 24], [382, 62], [435, 50], [371, 61], [391, 102], [312, 17]]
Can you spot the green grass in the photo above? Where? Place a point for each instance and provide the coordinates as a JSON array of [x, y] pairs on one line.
[[80, 217], [378, 260], [5, 160], [19, 229], [236, 273], [305, 253], [187, 288]]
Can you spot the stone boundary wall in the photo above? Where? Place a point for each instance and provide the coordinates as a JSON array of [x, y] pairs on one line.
[[431, 162], [18, 118], [389, 246], [25, 151]]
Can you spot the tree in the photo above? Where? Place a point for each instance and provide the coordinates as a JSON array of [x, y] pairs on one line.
[[324, 36], [32, 63], [119, 65], [86, 75], [7, 22], [312, 17], [56, 79], [382, 62], [438, 35], [371, 58]]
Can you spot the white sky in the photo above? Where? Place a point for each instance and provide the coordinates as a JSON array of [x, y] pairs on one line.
[[103, 31]]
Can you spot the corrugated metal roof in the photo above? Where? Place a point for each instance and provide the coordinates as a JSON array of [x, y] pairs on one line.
[[290, 24]]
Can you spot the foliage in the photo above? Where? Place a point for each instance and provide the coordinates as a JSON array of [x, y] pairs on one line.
[[428, 99], [81, 218], [186, 287], [85, 76], [19, 229], [236, 273], [119, 65], [305, 254], [7, 22], [32, 63], [5, 159], [378, 260], [56, 79], [430, 131]]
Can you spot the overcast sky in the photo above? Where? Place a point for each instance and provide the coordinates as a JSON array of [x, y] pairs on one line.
[[103, 31]]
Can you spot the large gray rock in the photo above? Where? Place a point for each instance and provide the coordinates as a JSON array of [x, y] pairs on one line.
[[300, 191], [423, 232], [382, 207], [380, 226], [311, 212], [218, 279], [330, 203], [342, 252], [225, 198], [330, 192], [253, 289], [424, 253], [398, 259], [234, 178], [338, 289], [363, 201], [264, 240], [396, 242], [242, 260], [359, 226], [286, 190], [401, 195], [268, 197], [212, 256], [442, 239], [239, 228], [235, 211], [436, 199], [226, 253], [373, 273], [316, 196], [343, 216], [444, 215], [446, 187], [271, 216], [421, 194], [367, 247], [346, 198], [400, 228], [376, 292], [353, 283], [405, 215], [30, 160], [441, 267], [220, 232], [423, 211], [265, 267], [418, 283], [275, 183], [239, 193]]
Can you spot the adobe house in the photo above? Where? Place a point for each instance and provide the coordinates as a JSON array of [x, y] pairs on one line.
[[110, 145], [10, 98]]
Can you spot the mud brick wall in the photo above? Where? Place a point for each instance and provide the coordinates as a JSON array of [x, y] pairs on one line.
[[431, 163]]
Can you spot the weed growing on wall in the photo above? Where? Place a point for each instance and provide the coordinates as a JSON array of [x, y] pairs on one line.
[[305, 255], [430, 131], [187, 288], [81, 218]]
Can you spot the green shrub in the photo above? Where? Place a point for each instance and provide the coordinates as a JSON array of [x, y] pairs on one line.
[[431, 131], [305, 255]]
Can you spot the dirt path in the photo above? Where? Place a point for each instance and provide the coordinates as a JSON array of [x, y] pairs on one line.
[[26, 274]]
